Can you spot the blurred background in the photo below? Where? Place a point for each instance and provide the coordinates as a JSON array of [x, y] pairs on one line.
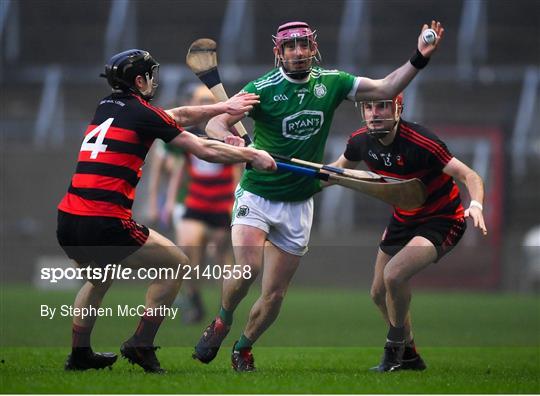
[[480, 93]]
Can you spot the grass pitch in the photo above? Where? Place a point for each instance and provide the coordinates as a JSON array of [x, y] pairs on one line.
[[323, 342]]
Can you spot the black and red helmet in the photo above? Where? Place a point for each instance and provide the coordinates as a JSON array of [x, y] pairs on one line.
[[122, 68]]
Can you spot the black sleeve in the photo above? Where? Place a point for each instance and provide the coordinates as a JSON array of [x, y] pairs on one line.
[[430, 148], [438, 155], [155, 123], [354, 149]]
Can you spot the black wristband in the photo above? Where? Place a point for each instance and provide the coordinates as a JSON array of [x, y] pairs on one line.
[[418, 60]]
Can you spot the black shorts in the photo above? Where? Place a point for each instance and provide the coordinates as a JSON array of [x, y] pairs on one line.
[[443, 233], [215, 220], [98, 239]]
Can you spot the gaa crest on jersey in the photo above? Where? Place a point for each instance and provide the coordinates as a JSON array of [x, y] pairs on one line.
[[280, 97], [319, 90], [242, 211], [303, 124]]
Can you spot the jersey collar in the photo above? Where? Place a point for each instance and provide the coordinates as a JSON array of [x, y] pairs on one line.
[[292, 80]]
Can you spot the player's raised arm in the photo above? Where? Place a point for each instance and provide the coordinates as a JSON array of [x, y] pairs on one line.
[[235, 106], [396, 81]]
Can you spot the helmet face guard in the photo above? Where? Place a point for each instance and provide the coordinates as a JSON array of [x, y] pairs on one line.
[[152, 80], [378, 125], [122, 69], [295, 32]]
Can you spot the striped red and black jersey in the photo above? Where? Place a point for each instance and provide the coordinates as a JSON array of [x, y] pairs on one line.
[[415, 152], [112, 154], [211, 186]]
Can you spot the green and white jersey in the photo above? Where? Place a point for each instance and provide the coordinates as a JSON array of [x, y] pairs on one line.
[[294, 119]]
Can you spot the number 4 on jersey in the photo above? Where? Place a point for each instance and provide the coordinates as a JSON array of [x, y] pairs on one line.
[[98, 146]]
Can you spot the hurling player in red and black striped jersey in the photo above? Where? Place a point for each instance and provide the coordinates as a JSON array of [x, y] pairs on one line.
[[95, 225], [391, 146]]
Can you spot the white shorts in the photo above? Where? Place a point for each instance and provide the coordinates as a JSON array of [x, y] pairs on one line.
[[287, 224]]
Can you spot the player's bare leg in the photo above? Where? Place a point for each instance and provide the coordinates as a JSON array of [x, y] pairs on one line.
[[90, 294], [248, 246], [219, 249], [193, 239], [157, 252], [82, 357], [378, 290], [390, 284], [378, 294], [279, 268], [414, 257], [221, 237]]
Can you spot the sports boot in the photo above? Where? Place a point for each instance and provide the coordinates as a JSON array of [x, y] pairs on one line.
[[412, 360], [84, 358], [392, 357], [242, 360], [208, 346], [144, 356]]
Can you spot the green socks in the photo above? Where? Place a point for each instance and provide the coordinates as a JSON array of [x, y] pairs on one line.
[[243, 342], [226, 316]]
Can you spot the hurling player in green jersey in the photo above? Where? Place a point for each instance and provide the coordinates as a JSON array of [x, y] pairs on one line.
[[273, 212]]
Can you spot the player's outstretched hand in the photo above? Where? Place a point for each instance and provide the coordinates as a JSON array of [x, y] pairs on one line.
[[234, 140], [241, 103], [478, 218], [428, 49], [263, 161]]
